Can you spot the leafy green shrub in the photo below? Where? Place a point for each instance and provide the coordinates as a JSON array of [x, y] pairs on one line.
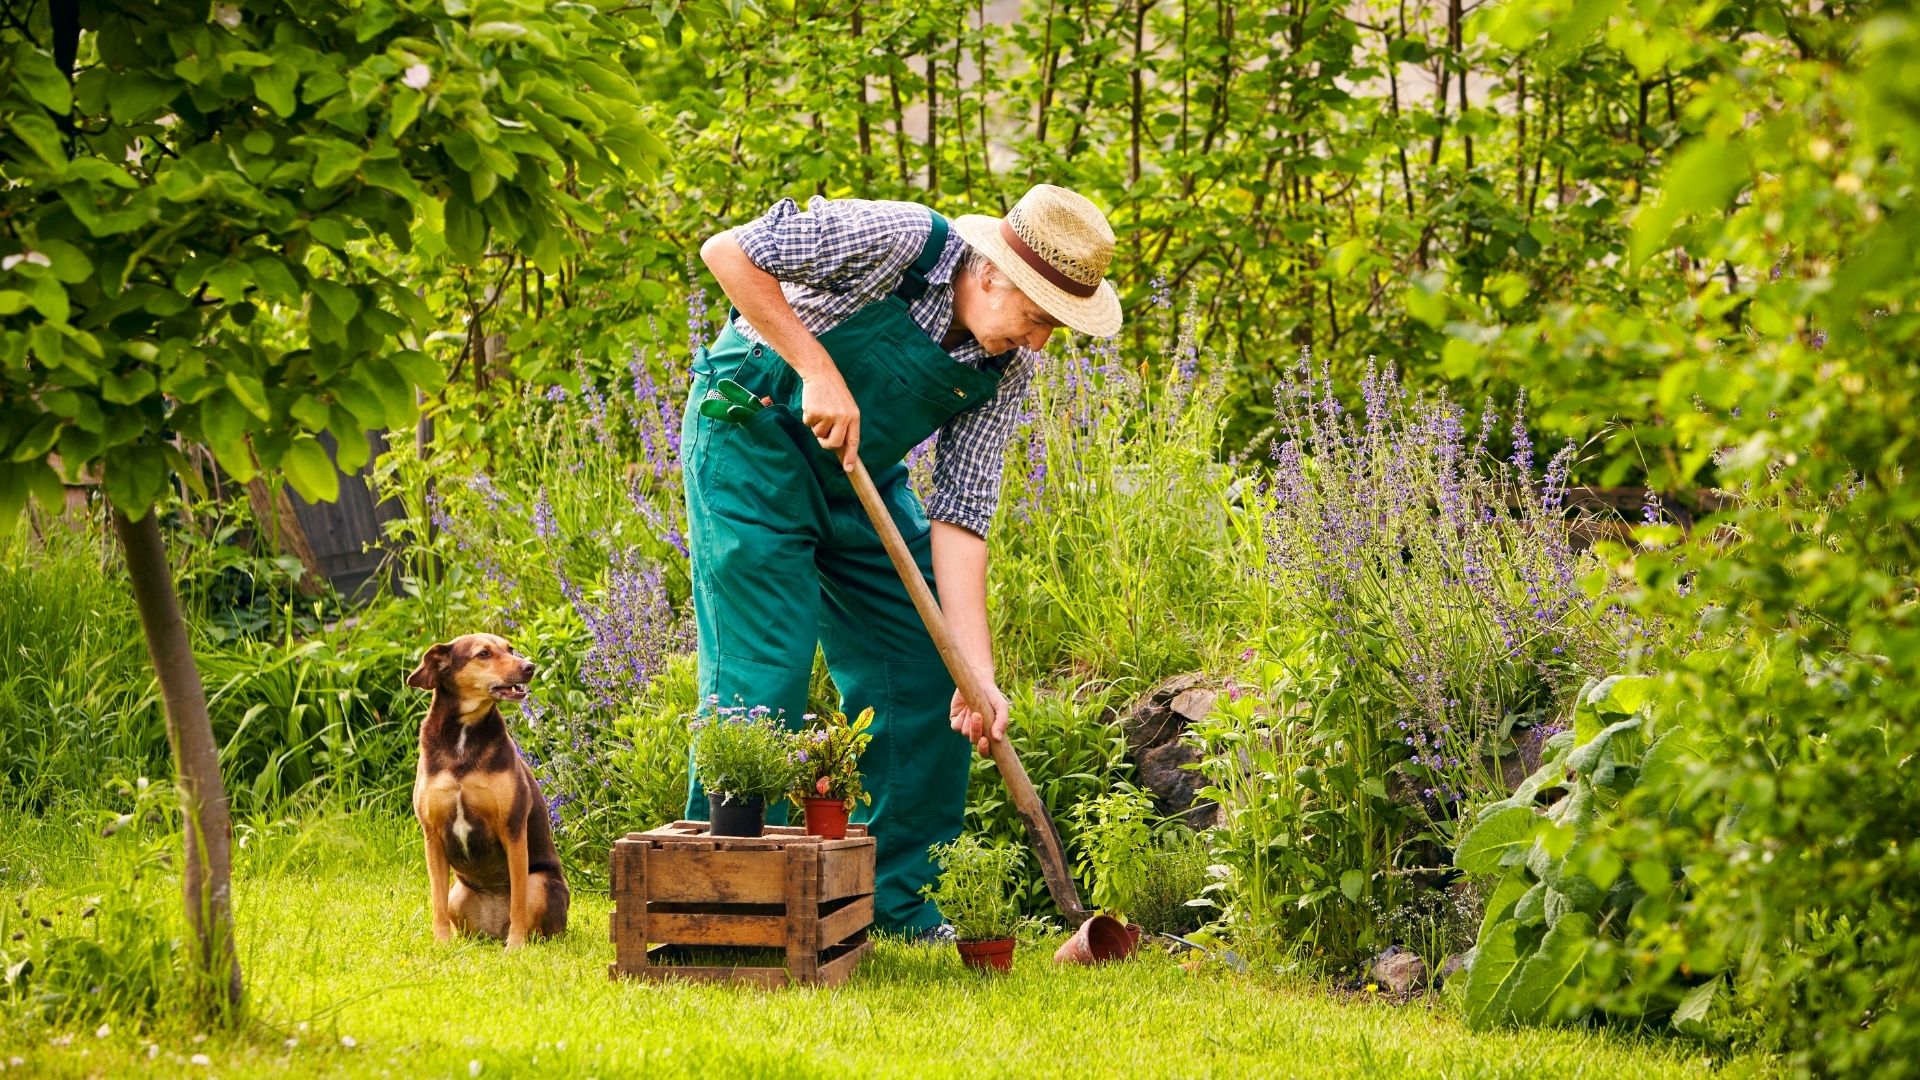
[[971, 891], [1175, 875], [79, 701], [1308, 830], [1109, 555], [1114, 835], [1567, 911], [112, 949]]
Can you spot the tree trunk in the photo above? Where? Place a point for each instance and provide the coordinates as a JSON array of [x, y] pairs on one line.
[[207, 872]]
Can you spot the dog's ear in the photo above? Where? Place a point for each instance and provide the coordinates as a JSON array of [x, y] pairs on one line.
[[432, 665]]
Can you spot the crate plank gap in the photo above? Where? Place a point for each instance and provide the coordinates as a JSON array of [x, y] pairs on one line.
[[677, 889]]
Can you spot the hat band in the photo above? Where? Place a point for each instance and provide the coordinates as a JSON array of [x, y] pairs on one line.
[[1044, 268]]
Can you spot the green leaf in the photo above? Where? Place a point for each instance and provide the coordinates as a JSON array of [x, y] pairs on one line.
[[1491, 976], [41, 79], [1691, 1017], [1702, 177], [406, 109], [334, 161], [274, 279], [311, 470], [1351, 882], [1586, 757], [223, 424], [134, 96], [1553, 968], [135, 477], [340, 299], [13, 497], [1506, 832], [41, 137], [275, 86], [248, 390]]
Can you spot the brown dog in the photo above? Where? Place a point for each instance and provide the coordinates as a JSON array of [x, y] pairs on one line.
[[476, 799]]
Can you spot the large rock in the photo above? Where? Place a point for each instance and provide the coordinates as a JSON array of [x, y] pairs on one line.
[[1399, 972], [1153, 729], [1176, 788], [1163, 712]]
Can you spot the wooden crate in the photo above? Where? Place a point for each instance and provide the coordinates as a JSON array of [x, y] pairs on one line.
[[804, 902]]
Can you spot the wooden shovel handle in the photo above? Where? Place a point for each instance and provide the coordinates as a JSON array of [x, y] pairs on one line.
[[1040, 828]]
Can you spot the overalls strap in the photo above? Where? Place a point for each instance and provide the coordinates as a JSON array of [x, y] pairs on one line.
[[913, 283]]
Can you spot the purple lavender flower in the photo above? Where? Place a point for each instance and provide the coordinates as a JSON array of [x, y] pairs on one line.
[[543, 523], [634, 629], [1522, 444]]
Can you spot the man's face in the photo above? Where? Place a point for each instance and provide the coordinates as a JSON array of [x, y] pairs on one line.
[[999, 315]]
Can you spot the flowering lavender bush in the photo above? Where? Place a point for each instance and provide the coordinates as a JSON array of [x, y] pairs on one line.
[[1441, 580], [1425, 603]]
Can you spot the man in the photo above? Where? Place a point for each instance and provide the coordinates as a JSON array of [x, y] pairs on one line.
[[870, 326]]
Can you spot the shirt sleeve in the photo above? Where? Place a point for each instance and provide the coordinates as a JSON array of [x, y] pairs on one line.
[[967, 457], [836, 245]]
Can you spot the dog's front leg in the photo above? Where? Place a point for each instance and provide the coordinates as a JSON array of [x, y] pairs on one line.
[[517, 888], [437, 883]]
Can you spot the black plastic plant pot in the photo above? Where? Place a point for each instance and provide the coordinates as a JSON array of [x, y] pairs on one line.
[[731, 815]]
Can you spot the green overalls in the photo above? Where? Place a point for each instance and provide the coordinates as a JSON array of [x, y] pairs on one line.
[[783, 556]]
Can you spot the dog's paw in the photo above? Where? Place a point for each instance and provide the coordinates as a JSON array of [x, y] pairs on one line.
[[443, 932], [514, 941]]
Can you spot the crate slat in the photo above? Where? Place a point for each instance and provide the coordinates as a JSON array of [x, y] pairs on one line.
[[848, 921], [767, 931], [720, 877], [845, 871]]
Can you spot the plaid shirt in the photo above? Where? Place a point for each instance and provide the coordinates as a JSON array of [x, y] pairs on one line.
[[839, 255]]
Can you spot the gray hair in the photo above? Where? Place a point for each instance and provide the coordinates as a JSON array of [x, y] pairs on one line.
[[976, 263]]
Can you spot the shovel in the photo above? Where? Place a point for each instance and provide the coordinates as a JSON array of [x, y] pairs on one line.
[[1040, 830]]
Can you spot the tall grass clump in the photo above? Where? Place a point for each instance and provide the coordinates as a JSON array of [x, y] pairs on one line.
[[78, 701], [1430, 621], [1111, 550]]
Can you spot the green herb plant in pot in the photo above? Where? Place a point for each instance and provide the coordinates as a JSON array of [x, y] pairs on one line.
[[744, 757], [827, 783], [1116, 846], [972, 894]]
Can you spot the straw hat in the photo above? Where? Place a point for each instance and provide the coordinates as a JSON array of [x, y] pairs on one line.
[[1055, 246]]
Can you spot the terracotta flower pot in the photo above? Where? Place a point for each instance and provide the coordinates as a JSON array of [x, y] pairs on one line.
[[1099, 939], [733, 816], [995, 955], [827, 818], [1133, 938]]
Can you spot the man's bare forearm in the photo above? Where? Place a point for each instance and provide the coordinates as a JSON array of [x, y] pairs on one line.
[[757, 294], [960, 572]]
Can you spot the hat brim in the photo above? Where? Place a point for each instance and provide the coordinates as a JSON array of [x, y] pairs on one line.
[[1096, 316]]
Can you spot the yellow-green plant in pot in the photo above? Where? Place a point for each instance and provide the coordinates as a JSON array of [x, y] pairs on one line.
[[971, 893]]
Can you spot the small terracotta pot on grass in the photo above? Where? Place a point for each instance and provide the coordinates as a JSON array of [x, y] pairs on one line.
[[827, 818], [995, 955], [1098, 940]]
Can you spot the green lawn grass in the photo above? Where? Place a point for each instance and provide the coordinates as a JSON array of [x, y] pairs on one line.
[[344, 978]]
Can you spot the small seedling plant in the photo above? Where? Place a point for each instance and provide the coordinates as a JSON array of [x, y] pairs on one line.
[[971, 890]]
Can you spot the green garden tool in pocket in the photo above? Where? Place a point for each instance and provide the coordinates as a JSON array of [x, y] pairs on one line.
[[731, 402]]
